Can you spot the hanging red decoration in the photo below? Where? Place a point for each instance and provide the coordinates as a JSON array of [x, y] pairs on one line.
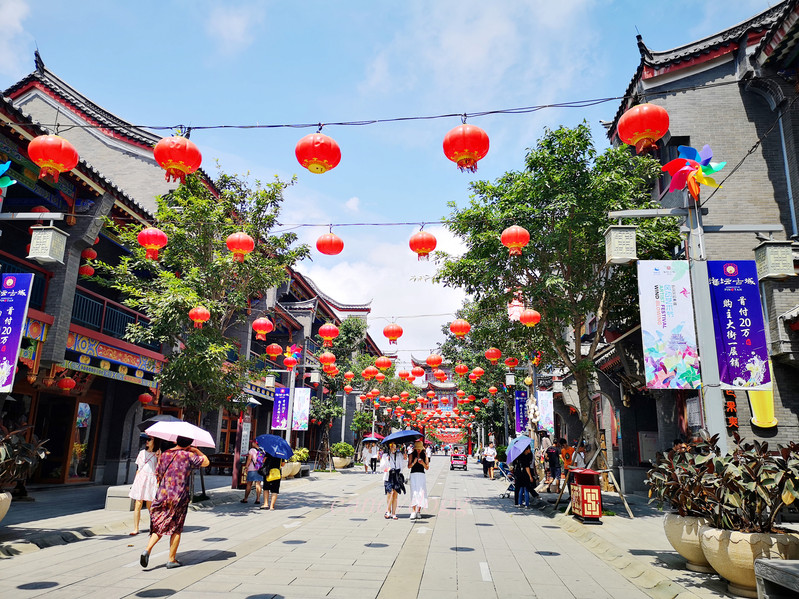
[[349, 375], [511, 362], [472, 377], [515, 238], [641, 126], [405, 395], [152, 240], [466, 145], [334, 371], [240, 244], [492, 390], [461, 369], [529, 318], [289, 362], [145, 398], [460, 393], [328, 332], [53, 155], [199, 315], [369, 373], [431, 394], [422, 243], [380, 377], [88, 254], [329, 244], [459, 328], [273, 350], [66, 383], [86, 270], [393, 332], [327, 358], [318, 153], [478, 372], [178, 156], [383, 363], [493, 355], [262, 327], [434, 360], [417, 371]]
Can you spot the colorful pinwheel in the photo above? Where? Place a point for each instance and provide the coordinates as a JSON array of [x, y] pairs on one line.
[[691, 169], [295, 351]]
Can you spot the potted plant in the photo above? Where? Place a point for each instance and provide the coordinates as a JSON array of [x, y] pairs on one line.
[[342, 454], [301, 455], [18, 460], [746, 491]]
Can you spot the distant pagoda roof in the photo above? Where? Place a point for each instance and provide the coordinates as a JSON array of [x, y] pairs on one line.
[[367, 307]]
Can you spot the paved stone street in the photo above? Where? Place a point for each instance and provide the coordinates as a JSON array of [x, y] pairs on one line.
[[328, 538]]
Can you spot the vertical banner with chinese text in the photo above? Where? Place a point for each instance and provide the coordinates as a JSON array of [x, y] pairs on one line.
[[15, 295], [302, 407], [521, 410], [546, 409], [280, 412], [738, 322], [671, 357]]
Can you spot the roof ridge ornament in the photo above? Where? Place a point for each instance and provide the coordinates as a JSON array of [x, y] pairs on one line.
[[38, 62]]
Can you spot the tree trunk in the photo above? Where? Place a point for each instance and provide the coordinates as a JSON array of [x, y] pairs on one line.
[[589, 432]]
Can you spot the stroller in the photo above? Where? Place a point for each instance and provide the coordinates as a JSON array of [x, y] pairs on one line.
[[507, 475]]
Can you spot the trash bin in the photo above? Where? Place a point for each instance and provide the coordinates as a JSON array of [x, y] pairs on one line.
[[586, 496]]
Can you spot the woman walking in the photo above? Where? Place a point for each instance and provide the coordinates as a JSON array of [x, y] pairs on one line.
[[168, 511], [418, 463], [255, 458], [393, 482], [145, 484], [272, 467]]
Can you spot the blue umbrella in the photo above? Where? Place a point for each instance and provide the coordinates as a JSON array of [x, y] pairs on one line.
[[401, 437], [517, 447], [275, 446], [371, 440]]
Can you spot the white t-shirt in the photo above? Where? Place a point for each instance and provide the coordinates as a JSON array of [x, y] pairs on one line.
[[579, 460], [391, 462], [490, 454]]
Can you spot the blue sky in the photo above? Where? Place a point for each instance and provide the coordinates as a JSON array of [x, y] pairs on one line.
[[262, 61]]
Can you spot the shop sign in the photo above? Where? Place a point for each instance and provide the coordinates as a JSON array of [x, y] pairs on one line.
[[15, 292], [109, 374], [521, 410], [730, 410], [94, 348]]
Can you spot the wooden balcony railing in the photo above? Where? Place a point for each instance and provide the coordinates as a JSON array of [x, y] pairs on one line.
[[100, 314]]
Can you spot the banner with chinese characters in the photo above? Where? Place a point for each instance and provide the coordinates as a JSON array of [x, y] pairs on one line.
[[546, 408], [280, 412], [15, 293], [521, 410], [738, 322], [671, 358], [301, 408]]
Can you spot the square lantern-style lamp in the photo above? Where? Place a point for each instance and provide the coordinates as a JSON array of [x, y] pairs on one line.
[[774, 260], [314, 378], [269, 381], [47, 244], [620, 244], [510, 379]]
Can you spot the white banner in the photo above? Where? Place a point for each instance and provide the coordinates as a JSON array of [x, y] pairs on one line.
[[301, 408], [546, 409]]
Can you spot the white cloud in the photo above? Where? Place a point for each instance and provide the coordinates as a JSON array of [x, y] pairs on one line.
[[232, 28], [353, 204], [14, 42]]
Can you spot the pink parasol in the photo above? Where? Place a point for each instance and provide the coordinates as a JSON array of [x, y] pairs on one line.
[[171, 430]]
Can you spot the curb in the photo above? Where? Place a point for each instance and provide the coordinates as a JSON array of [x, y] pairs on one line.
[[643, 576]]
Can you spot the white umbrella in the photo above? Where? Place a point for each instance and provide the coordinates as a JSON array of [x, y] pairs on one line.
[[171, 430]]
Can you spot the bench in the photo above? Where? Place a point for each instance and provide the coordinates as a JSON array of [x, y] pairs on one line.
[[777, 578], [305, 470], [220, 461]]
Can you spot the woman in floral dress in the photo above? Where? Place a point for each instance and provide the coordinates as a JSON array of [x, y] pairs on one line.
[[168, 511]]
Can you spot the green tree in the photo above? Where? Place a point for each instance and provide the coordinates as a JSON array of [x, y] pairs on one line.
[[562, 198], [204, 370]]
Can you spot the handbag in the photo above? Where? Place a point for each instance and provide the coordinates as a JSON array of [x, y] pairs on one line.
[[274, 474]]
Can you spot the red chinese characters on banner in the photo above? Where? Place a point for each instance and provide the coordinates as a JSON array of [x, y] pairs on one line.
[[730, 409]]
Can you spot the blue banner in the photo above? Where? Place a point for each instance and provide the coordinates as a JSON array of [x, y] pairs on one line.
[[15, 292], [280, 411], [521, 410], [738, 322]]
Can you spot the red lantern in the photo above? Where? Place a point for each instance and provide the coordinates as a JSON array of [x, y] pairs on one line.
[[431, 394], [380, 377], [329, 244], [529, 318], [403, 374], [493, 390], [273, 350], [66, 383], [318, 153], [85, 270], [152, 240], [347, 389], [328, 332], [422, 243], [434, 360], [199, 315], [145, 398], [178, 156], [493, 355], [478, 372], [88, 254], [511, 362], [641, 126], [417, 371], [369, 373], [349, 375], [327, 358], [434, 401], [383, 363], [472, 377], [53, 155], [460, 393], [262, 327], [240, 244], [515, 238], [465, 145], [459, 328], [406, 395], [440, 375], [461, 369], [393, 332], [289, 362]]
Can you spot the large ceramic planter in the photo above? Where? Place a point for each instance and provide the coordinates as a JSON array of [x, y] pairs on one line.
[[5, 503], [339, 463], [732, 554], [683, 534], [287, 471]]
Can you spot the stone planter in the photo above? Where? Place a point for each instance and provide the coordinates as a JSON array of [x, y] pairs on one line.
[[732, 554], [287, 471], [683, 534], [339, 463], [5, 503]]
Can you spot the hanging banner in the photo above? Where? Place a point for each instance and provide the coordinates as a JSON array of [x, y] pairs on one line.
[[521, 410], [15, 293], [302, 406], [738, 322], [546, 409], [280, 412], [671, 357]]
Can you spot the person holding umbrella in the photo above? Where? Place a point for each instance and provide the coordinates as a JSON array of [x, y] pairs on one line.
[[277, 450], [418, 462], [393, 480]]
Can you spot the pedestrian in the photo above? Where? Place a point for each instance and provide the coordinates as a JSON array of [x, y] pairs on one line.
[[255, 459], [393, 480], [374, 457], [168, 510], [524, 481], [366, 456], [145, 484], [553, 462], [479, 456], [546, 443], [566, 454], [272, 467], [489, 458], [418, 463], [579, 457]]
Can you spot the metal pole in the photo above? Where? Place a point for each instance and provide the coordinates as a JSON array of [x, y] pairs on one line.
[[374, 417], [505, 411], [344, 414], [291, 406]]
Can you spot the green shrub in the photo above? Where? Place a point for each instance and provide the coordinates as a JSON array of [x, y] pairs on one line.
[[502, 453], [301, 454], [342, 450]]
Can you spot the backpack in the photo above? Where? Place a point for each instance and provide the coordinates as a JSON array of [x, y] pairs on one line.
[[259, 459]]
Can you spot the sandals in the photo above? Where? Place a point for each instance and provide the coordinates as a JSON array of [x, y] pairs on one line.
[[387, 515], [394, 517], [243, 501], [133, 534], [144, 559], [175, 564]]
